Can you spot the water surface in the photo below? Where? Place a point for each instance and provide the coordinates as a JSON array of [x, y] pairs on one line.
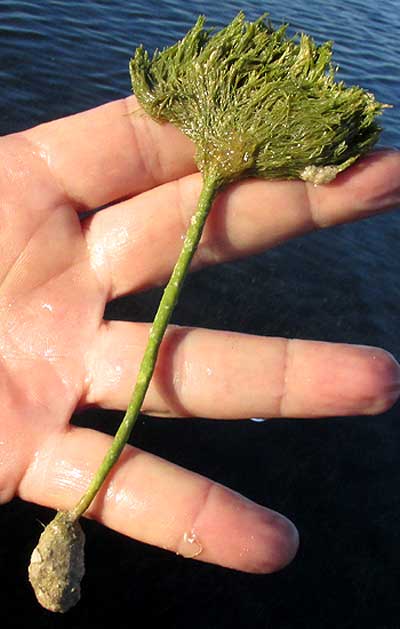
[[337, 479]]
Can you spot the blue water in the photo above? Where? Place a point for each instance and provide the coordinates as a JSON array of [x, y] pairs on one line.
[[338, 479], [57, 57]]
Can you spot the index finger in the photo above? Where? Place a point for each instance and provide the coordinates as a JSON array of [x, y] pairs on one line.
[[111, 152]]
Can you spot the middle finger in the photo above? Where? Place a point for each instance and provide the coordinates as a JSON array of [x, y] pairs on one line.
[[134, 244]]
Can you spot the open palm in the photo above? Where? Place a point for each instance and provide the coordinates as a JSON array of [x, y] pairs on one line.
[[58, 271]]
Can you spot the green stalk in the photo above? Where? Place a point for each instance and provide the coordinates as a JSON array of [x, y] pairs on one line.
[[255, 103], [211, 185]]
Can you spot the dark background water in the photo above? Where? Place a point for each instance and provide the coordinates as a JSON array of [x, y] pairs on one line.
[[337, 479]]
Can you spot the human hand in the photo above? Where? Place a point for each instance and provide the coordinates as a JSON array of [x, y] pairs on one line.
[[58, 354]]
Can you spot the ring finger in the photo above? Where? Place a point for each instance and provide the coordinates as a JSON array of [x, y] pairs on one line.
[[229, 375]]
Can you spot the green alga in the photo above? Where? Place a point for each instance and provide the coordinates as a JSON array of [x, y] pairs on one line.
[[256, 103]]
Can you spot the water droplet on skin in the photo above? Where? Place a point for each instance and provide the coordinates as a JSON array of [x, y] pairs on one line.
[[190, 545]]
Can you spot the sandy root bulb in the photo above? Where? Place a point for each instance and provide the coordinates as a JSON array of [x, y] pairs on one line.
[[57, 564]]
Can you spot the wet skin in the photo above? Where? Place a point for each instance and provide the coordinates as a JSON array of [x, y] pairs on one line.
[[58, 353]]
